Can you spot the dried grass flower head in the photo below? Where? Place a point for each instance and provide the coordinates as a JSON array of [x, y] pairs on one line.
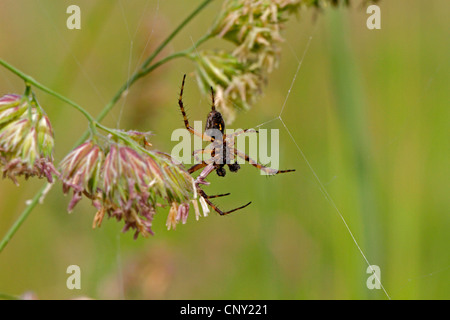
[[237, 76], [80, 172], [26, 139], [254, 27], [236, 87], [128, 181]]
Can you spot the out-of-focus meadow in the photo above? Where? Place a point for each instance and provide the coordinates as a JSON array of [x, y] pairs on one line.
[[369, 112]]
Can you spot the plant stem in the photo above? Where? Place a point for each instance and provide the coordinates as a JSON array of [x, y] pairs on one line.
[[137, 75], [144, 70], [174, 33], [6, 296], [31, 81], [21, 218]]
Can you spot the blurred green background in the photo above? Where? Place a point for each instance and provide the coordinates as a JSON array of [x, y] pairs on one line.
[[369, 109]]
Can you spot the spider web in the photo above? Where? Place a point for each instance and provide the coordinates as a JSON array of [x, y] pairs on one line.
[[45, 10], [88, 78], [66, 45], [318, 180], [119, 260], [302, 156]]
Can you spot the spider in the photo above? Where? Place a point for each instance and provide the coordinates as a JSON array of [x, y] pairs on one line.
[[221, 149]]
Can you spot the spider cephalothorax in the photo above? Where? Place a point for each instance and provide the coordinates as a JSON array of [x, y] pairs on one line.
[[221, 149]]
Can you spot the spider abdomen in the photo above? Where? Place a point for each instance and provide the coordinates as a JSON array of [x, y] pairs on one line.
[[214, 121]]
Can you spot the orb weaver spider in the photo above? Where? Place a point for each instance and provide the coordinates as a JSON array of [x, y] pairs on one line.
[[222, 152]]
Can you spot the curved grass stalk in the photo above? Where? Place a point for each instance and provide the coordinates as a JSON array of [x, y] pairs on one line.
[[144, 70]]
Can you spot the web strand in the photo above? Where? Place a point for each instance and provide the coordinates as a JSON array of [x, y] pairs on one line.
[[296, 73], [333, 204], [148, 38], [322, 188], [130, 54], [66, 45]]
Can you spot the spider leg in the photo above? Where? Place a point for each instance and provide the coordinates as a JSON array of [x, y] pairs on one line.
[[186, 121], [218, 195], [213, 107], [237, 133], [196, 167], [212, 205], [202, 165], [265, 169], [198, 152], [229, 139], [201, 180]]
